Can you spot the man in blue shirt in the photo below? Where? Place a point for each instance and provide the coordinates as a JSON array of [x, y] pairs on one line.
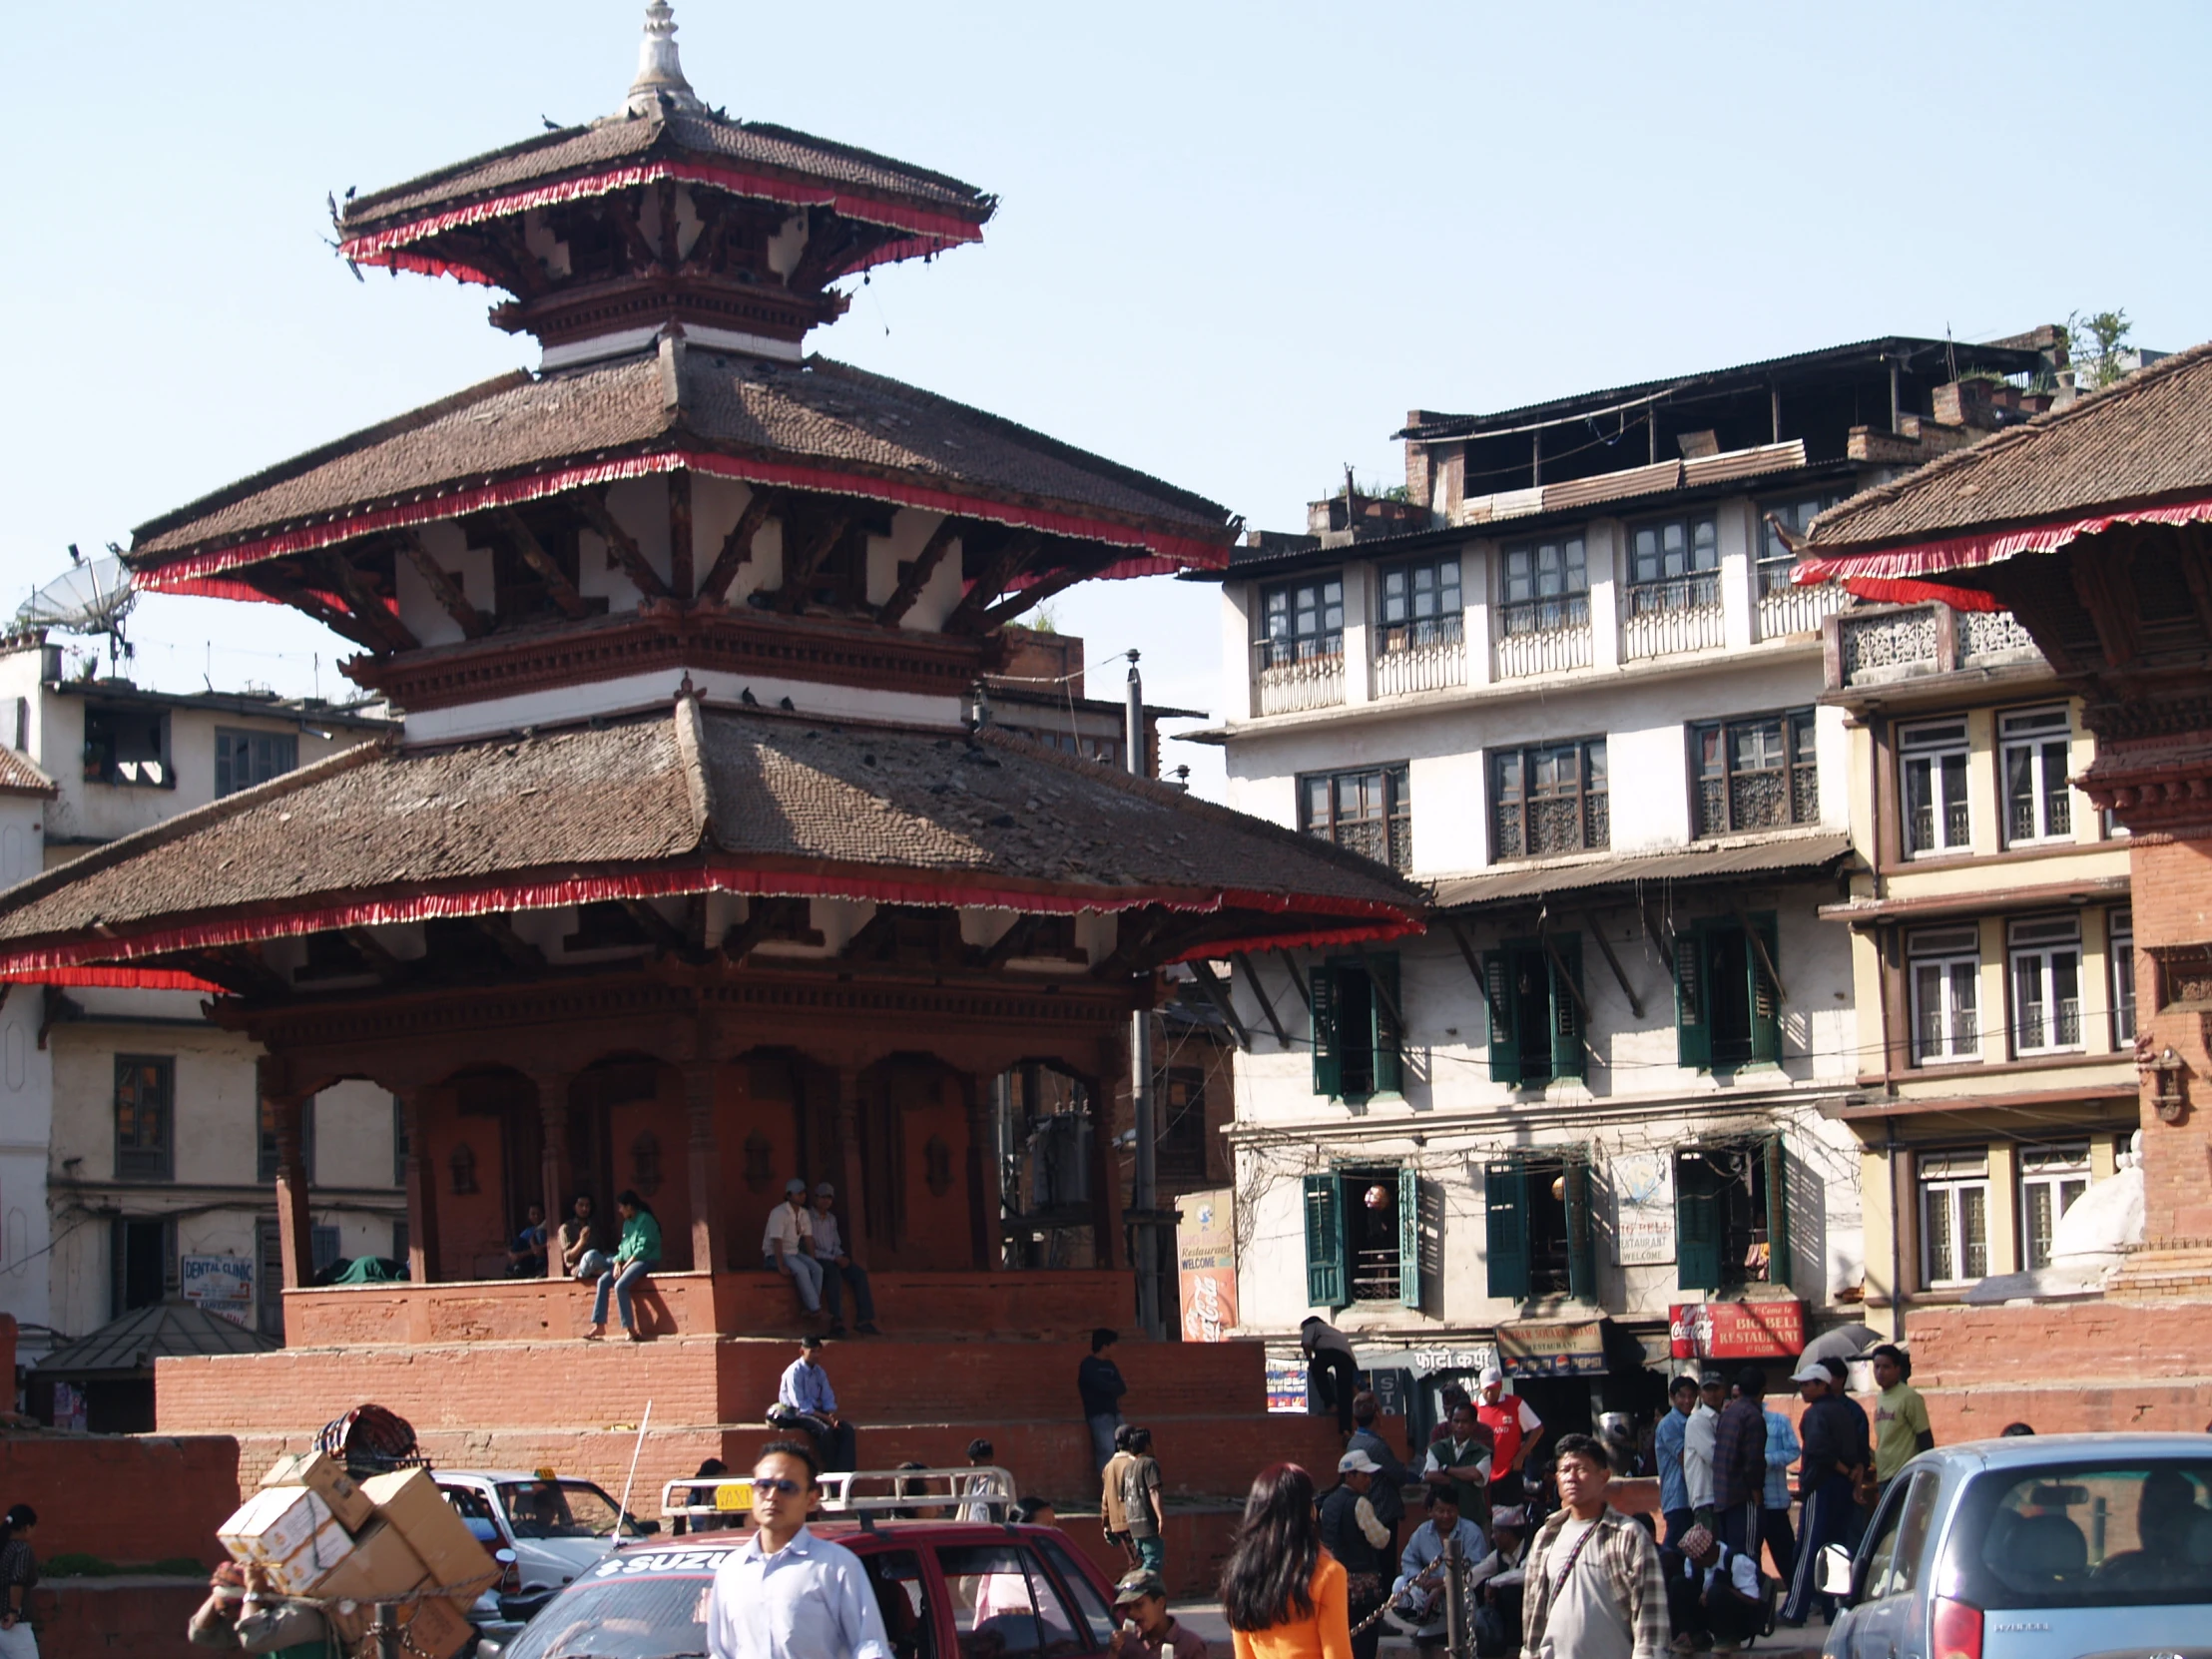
[[1782, 1451], [1421, 1578], [805, 1401], [1666, 1450], [784, 1593]]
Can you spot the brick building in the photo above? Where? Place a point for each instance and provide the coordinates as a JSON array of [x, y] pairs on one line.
[[2087, 525], [696, 864]]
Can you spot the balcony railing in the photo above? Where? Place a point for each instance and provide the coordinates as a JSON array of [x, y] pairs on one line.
[[1888, 644], [1544, 635], [1786, 609], [1682, 614], [1985, 636], [1287, 682], [1421, 656]]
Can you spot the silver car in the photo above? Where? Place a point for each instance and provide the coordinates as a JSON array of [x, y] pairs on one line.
[[2052, 1546]]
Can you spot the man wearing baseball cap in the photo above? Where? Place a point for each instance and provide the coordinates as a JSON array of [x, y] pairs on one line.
[[1514, 1430], [1837, 1453], [838, 1269], [1148, 1630], [788, 1229], [1352, 1532]]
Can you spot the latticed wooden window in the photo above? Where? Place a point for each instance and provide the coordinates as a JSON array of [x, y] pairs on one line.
[[1549, 801], [1759, 773], [144, 1121], [1370, 812]]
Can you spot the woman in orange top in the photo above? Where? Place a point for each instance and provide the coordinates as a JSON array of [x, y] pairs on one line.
[[1284, 1595]]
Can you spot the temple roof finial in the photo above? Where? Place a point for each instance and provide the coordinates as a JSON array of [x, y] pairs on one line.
[[660, 83]]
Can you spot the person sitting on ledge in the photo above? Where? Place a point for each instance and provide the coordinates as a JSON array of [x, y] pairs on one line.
[[805, 1401], [790, 1226], [637, 1255], [828, 1250]]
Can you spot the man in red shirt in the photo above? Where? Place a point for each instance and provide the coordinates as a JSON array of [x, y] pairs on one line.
[[1514, 1430]]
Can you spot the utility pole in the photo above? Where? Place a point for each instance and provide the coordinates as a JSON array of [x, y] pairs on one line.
[[1144, 1193]]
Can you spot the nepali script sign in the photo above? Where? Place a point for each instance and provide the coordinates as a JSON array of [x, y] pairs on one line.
[[1206, 1260]]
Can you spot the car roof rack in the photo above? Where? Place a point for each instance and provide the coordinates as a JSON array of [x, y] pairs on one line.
[[842, 1493]]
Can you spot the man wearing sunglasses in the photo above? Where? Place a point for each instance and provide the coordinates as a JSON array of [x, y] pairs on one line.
[[784, 1593]]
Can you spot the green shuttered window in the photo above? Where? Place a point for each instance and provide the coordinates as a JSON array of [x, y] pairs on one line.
[[1358, 1048], [1536, 1030]]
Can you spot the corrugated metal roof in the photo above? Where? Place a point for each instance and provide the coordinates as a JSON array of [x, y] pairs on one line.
[[2009, 359], [167, 1330], [1686, 863]]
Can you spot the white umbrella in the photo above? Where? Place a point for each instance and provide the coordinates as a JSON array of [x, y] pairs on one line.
[[1845, 1343]]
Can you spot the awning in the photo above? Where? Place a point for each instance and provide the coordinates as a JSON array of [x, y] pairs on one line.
[[1805, 854], [1552, 1348]]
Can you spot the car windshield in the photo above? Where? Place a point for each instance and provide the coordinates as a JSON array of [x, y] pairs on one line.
[[560, 1510], [624, 1618], [2114, 1534]]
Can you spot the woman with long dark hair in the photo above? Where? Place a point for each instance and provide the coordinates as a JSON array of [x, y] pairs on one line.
[[637, 1255], [1284, 1595]]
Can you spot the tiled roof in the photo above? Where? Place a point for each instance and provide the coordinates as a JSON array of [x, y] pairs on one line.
[[2147, 438], [860, 424], [19, 777], [619, 141], [717, 799], [1781, 856]]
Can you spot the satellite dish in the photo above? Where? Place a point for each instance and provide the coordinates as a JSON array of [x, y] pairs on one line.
[[93, 598]]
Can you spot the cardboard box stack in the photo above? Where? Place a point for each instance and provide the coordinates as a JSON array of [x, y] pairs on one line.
[[318, 1533]]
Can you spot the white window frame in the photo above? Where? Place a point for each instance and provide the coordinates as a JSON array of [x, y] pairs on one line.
[[2037, 738], [2043, 953], [2119, 957], [1955, 1186], [1932, 748], [2061, 1175], [1952, 959]]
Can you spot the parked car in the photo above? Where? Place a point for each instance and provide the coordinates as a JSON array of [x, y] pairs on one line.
[[2041, 1547], [948, 1590], [558, 1528]]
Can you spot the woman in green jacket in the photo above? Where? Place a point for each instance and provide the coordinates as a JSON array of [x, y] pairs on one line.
[[637, 1255]]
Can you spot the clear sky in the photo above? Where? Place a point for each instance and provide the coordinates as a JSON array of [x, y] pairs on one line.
[[1237, 242]]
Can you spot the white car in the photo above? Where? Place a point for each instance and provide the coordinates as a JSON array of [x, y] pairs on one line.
[[558, 1528]]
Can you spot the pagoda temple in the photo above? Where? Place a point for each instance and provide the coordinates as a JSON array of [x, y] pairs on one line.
[[698, 863]]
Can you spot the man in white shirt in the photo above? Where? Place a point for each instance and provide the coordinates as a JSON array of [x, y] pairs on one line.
[[838, 1270], [784, 1593], [1713, 1593], [1698, 1437], [789, 1230]]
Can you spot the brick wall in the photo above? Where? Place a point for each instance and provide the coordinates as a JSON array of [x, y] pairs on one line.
[[129, 1500], [2173, 885], [101, 1619]]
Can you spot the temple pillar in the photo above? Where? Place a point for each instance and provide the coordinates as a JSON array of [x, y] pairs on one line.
[[1106, 1088], [420, 1176], [295, 1226], [848, 1112], [553, 1172], [708, 1234], [983, 1173]]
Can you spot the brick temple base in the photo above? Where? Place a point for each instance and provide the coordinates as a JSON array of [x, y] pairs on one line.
[[2064, 1367], [493, 1375]]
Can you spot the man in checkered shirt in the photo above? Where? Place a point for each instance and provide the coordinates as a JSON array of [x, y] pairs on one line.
[[1594, 1587]]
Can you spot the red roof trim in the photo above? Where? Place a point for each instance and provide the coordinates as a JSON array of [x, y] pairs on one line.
[[930, 232], [1984, 547], [1164, 553], [1365, 918], [125, 978], [1895, 590]]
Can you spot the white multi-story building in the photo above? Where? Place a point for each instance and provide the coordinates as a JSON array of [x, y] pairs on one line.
[[1566, 682], [134, 1162]]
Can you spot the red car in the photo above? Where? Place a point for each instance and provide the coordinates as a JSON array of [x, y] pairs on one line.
[[948, 1590]]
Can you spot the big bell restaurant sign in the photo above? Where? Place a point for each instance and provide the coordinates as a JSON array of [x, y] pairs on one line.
[[1736, 1329]]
